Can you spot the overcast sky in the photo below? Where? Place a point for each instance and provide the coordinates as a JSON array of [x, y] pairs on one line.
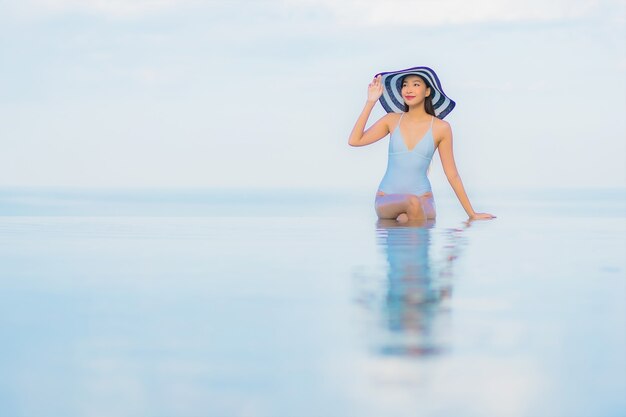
[[185, 93]]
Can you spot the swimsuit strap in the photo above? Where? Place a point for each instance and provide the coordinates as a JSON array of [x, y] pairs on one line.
[[398, 125], [431, 122]]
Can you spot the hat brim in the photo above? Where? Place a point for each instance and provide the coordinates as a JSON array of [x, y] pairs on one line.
[[392, 100]]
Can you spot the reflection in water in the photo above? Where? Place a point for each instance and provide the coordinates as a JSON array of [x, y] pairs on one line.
[[412, 311]]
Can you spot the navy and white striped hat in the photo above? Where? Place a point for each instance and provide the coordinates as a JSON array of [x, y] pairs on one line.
[[392, 101]]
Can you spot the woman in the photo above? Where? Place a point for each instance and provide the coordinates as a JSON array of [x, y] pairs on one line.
[[416, 106]]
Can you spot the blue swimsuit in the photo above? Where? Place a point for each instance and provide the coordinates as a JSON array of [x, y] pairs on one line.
[[406, 169]]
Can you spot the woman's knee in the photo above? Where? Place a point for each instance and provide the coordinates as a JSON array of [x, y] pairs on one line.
[[386, 211], [414, 203]]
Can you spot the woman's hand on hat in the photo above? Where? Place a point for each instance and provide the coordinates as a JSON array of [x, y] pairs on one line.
[[482, 216], [375, 89]]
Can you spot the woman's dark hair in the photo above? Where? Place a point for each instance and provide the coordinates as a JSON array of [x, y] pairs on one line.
[[428, 101]]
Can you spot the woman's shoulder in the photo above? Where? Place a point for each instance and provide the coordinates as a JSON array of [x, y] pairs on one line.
[[441, 125], [391, 120], [441, 130], [392, 117]]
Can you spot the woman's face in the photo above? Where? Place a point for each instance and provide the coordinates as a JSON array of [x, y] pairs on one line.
[[414, 89]]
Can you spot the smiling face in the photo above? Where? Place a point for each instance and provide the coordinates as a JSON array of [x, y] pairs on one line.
[[414, 89]]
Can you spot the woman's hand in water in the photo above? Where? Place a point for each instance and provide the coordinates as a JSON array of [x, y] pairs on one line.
[[374, 90], [482, 216]]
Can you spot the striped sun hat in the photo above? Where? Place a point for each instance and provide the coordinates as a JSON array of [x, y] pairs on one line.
[[392, 101]]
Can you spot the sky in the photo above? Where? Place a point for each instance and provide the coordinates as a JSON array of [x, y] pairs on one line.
[[264, 93]]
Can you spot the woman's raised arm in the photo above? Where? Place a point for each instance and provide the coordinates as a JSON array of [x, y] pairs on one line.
[[379, 129], [449, 168]]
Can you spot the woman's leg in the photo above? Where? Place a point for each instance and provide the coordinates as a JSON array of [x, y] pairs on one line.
[[404, 207]]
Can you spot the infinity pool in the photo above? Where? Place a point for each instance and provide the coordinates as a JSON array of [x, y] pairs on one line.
[[205, 304]]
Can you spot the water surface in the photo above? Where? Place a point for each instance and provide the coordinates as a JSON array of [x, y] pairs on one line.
[[155, 303]]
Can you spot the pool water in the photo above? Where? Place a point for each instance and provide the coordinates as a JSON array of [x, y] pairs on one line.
[[287, 304]]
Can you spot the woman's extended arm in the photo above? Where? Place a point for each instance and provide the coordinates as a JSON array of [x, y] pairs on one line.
[[449, 168], [379, 129]]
